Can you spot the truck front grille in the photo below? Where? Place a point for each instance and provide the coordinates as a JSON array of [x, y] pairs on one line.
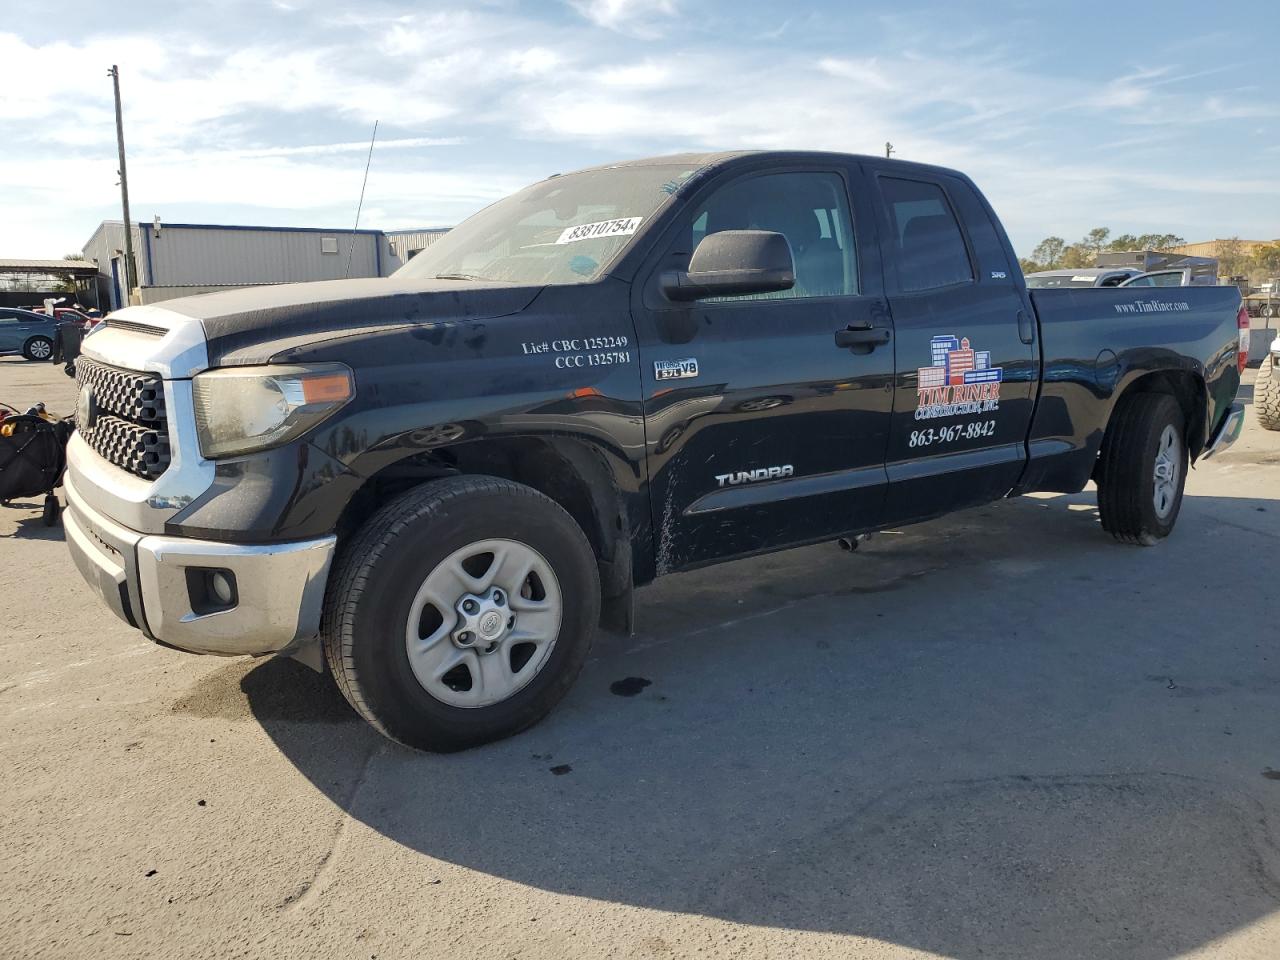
[[126, 424]]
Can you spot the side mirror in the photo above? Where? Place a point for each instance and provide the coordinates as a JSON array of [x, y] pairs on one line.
[[733, 263]]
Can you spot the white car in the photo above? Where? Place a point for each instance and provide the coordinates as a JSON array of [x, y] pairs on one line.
[[1178, 277]]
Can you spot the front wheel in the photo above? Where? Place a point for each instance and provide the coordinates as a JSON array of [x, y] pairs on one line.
[[38, 348], [1266, 395], [461, 612], [1143, 469]]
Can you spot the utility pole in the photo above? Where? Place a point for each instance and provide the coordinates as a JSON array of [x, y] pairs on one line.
[[129, 272], [888, 150]]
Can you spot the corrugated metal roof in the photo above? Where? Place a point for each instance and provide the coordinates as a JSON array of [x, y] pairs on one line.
[[51, 265]]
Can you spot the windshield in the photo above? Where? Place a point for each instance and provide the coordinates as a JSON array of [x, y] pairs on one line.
[[1062, 280], [565, 229]]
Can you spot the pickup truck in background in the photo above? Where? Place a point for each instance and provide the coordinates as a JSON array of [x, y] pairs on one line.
[[438, 484]]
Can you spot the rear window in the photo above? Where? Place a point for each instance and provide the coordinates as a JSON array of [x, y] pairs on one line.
[[931, 249]]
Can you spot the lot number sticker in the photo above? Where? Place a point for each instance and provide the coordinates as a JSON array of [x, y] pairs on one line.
[[601, 228]]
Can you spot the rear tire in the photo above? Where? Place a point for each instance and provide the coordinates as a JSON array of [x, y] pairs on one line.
[[1143, 469], [1266, 395], [38, 348], [420, 669]]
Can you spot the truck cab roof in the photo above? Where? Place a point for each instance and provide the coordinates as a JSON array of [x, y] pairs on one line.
[[721, 158]]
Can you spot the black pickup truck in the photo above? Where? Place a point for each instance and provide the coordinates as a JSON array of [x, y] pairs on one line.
[[439, 483]]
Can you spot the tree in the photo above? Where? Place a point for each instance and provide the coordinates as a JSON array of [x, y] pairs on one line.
[[1158, 241], [1054, 253], [73, 256], [1048, 252], [1232, 260], [1267, 259], [1094, 242], [1076, 256]]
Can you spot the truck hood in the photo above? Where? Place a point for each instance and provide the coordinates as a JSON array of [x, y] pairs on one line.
[[253, 324]]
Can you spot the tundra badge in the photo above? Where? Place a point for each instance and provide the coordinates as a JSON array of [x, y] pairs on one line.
[[675, 369], [751, 476]]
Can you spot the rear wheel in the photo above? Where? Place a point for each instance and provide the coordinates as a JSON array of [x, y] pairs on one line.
[[1143, 469], [38, 348], [461, 613], [1266, 395]]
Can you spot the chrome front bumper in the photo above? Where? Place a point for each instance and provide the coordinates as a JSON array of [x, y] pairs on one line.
[[145, 580]]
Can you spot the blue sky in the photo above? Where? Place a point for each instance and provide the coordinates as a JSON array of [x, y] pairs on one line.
[[260, 112]]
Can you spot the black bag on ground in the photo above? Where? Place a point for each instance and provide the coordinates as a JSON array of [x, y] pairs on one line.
[[33, 453]]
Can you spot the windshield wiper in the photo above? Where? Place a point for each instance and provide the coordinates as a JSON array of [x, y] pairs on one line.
[[457, 276]]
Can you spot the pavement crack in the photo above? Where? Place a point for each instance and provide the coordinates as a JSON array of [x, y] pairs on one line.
[[310, 888], [1240, 526]]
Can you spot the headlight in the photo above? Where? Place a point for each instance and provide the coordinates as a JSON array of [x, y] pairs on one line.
[[243, 409]]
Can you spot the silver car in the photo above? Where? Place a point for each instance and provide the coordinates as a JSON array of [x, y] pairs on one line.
[[27, 333]]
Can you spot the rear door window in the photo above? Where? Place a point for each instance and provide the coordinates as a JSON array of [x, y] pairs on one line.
[[931, 251]]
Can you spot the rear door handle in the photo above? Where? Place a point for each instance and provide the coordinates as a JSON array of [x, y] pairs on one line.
[[863, 335]]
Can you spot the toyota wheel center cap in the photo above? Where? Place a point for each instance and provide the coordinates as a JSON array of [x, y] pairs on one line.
[[490, 625]]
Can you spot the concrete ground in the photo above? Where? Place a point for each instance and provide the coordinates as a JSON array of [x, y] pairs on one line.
[[997, 735]]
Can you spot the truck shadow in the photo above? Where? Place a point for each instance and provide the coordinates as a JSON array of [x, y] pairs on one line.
[[958, 739]]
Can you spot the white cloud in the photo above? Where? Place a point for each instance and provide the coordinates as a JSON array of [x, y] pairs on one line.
[[865, 73], [475, 102], [642, 17]]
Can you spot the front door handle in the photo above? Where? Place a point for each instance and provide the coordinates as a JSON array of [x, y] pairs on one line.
[[1026, 329], [863, 335]]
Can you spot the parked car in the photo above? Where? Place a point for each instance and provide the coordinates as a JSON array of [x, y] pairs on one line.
[[27, 333], [1083, 277], [439, 482], [1266, 389], [87, 318]]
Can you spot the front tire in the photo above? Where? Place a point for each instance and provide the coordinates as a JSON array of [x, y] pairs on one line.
[[38, 348], [1266, 395], [461, 612], [1143, 469]]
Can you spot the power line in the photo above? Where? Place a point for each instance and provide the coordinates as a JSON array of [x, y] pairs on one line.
[[352, 247]]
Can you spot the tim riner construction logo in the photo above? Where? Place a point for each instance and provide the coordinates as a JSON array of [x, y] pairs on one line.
[[960, 381]]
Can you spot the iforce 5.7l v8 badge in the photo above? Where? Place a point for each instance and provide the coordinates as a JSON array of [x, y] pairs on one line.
[[675, 369]]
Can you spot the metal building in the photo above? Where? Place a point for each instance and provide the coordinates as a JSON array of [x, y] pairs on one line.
[[1216, 248], [180, 259], [407, 244]]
